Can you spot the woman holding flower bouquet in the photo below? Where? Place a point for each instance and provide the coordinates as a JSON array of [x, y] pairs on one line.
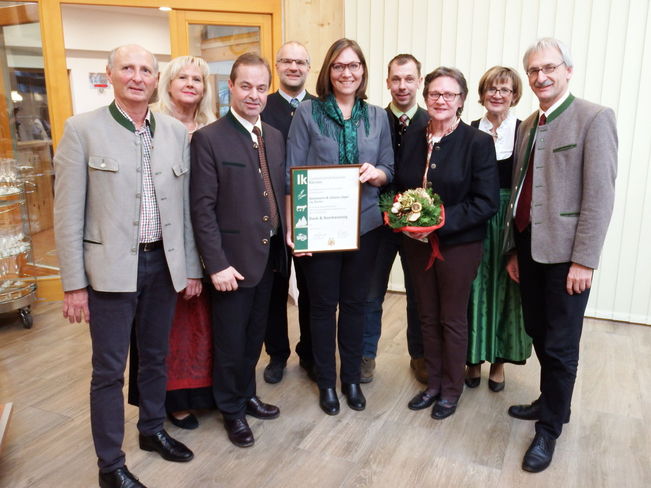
[[341, 128], [458, 164]]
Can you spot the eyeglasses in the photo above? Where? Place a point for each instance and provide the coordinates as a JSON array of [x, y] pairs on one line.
[[341, 67], [548, 70], [300, 63], [502, 91], [447, 96]]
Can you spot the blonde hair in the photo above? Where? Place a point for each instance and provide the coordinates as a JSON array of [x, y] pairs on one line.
[[204, 114]]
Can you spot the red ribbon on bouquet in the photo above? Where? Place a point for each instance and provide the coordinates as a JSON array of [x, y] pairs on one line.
[[428, 232]]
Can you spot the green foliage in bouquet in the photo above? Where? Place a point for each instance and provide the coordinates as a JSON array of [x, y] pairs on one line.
[[418, 207]]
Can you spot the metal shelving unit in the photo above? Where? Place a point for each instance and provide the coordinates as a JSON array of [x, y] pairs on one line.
[[17, 284]]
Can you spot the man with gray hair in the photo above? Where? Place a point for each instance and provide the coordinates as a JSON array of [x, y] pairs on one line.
[[125, 245], [561, 204]]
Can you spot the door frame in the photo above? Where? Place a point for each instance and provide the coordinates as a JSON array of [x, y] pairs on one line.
[[54, 53]]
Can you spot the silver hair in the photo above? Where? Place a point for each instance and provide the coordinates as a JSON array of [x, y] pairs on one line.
[[111, 56], [295, 43], [545, 43]]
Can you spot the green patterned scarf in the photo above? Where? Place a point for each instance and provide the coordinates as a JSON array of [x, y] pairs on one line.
[[332, 124]]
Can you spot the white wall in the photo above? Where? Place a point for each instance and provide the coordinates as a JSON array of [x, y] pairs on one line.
[[23, 45], [611, 45], [90, 33]]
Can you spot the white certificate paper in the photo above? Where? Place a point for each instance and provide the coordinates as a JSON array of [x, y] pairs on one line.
[[325, 208]]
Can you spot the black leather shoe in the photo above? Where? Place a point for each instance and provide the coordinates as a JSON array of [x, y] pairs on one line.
[[422, 400], [169, 448], [473, 382], [260, 410], [239, 432], [530, 412], [443, 409], [328, 401], [189, 422], [119, 478], [526, 412], [354, 396], [309, 368], [539, 454], [496, 386], [273, 373]]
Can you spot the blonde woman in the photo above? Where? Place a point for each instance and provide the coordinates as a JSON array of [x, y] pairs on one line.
[[185, 93]]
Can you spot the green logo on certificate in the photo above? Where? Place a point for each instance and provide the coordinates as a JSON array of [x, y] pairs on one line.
[[299, 201], [325, 208]]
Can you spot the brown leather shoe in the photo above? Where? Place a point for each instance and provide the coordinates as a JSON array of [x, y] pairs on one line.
[[260, 410], [239, 432], [420, 370], [367, 370]]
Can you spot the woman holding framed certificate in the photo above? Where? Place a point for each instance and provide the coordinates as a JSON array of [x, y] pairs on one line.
[[340, 128]]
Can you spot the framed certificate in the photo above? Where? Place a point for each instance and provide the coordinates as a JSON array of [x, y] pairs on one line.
[[325, 208]]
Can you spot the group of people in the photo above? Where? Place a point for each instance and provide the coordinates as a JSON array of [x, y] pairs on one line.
[[151, 199]]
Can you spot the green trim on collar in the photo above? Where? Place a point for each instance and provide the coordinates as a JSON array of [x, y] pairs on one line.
[[126, 123], [152, 123], [121, 119], [525, 166], [568, 101], [229, 115]]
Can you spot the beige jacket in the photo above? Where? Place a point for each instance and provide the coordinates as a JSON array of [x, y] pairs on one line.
[[97, 200]]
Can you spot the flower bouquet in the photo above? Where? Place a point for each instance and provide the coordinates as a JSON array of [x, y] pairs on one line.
[[416, 213]]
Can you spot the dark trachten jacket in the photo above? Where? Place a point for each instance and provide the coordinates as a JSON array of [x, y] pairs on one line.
[[463, 171], [230, 213]]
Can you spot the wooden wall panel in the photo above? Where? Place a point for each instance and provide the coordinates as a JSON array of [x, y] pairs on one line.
[[611, 45], [315, 24]]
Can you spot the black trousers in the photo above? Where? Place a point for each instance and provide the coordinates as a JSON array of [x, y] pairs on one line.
[[554, 320], [239, 323], [339, 279], [276, 339], [151, 308]]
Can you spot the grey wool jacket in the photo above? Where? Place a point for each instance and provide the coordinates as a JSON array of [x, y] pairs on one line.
[[575, 165]]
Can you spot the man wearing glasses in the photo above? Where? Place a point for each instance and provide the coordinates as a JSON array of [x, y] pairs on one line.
[[292, 66], [562, 201]]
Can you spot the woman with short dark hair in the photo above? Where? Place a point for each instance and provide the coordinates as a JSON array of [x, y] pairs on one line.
[[458, 163]]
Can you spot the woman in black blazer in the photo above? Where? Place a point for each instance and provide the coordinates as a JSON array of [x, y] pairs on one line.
[[458, 163]]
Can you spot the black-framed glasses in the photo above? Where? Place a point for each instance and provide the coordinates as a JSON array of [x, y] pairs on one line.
[[547, 69], [341, 67], [502, 91], [300, 63], [447, 96]]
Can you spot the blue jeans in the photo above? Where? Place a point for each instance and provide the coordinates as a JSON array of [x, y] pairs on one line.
[[389, 247]]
